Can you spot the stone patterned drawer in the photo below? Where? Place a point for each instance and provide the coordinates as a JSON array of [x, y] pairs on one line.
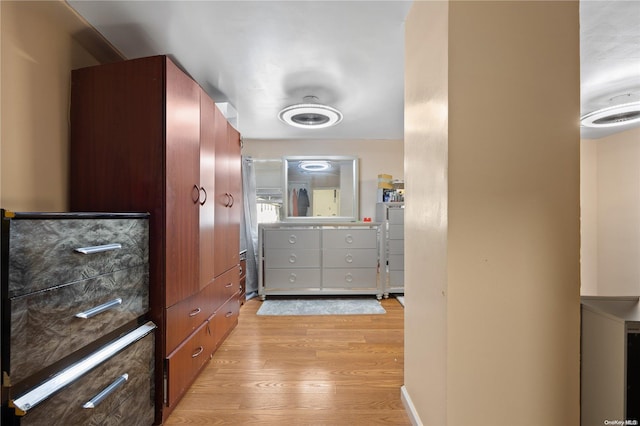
[[352, 258], [43, 250], [45, 326], [349, 238], [130, 404]]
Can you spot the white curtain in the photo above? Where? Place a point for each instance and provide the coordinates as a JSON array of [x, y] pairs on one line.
[[249, 225]]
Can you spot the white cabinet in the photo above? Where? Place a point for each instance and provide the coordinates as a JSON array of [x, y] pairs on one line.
[[391, 215], [327, 259]]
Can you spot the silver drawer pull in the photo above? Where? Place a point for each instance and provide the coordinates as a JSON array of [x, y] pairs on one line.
[[349, 238], [348, 277], [292, 278], [98, 249], [96, 400], [228, 285], [99, 309], [197, 352], [292, 239], [293, 258], [228, 314], [195, 312], [349, 258]]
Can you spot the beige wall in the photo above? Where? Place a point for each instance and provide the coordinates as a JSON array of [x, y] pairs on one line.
[[611, 215], [508, 196], [375, 157], [41, 43]]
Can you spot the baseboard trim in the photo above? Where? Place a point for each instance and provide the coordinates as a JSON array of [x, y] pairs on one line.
[[409, 407]]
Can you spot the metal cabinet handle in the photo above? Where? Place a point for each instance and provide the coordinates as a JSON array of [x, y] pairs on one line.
[[349, 258], [195, 312], [98, 249], [348, 277], [96, 400], [293, 258], [233, 200], [349, 238], [205, 196], [99, 309], [228, 314], [197, 352], [241, 270], [292, 239], [292, 278], [228, 203], [195, 194]]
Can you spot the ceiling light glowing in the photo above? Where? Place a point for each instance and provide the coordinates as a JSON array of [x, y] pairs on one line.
[[613, 116], [310, 115], [314, 166]]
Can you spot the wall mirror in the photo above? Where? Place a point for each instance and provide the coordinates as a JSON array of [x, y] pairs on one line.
[[321, 188]]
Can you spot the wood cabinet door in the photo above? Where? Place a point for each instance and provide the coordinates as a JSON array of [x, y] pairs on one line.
[[234, 171], [182, 192], [207, 188], [223, 195]]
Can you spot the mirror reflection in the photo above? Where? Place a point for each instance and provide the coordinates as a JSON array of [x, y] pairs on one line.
[[321, 188]]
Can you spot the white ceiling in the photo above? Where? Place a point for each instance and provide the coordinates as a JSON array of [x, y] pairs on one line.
[[261, 56]]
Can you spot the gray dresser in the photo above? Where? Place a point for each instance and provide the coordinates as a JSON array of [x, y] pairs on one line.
[[319, 259], [76, 348], [391, 215]]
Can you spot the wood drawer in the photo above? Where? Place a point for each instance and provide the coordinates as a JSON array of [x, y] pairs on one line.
[[350, 278], [43, 251], [292, 278], [186, 316], [298, 238], [349, 238], [287, 258], [224, 320], [226, 286], [184, 363], [130, 404], [48, 320], [352, 258]]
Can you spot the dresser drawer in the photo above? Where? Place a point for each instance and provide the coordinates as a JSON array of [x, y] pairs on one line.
[[51, 324], [184, 317], [350, 278], [131, 402], [352, 258], [225, 320], [292, 278], [349, 238], [44, 251], [396, 278], [298, 238], [184, 363], [287, 258], [226, 286], [395, 246], [396, 262], [396, 232], [396, 216]]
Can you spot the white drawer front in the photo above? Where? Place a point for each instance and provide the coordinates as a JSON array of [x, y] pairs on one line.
[[284, 258], [298, 238], [396, 278], [396, 262], [349, 238], [350, 258], [395, 246], [396, 232], [396, 216], [349, 278], [292, 278]]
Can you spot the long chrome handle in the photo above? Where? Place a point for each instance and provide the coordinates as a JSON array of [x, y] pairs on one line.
[[228, 285], [195, 194], [198, 352], [99, 309], [98, 249], [205, 196], [96, 400], [233, 200], [229, 199]]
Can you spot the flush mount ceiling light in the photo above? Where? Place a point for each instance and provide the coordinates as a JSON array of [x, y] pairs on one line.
[[310, 115], [314, 166], [613, 116]]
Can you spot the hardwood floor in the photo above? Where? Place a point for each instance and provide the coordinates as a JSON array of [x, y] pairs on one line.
[[304, 370]]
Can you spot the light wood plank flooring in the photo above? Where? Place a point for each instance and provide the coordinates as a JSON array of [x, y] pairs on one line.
[[305, 370]]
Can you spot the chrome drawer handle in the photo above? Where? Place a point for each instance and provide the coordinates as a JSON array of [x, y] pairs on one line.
[[228, 314], [349, 238], [198, 352], [349, 258], [293, 258], [348, 278], [99, 309], [96, 400], [292, 239], [292, 278], [98, 249], [195, 312], [228, 285]]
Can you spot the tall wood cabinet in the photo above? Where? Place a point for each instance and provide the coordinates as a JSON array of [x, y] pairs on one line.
[[146, 137]]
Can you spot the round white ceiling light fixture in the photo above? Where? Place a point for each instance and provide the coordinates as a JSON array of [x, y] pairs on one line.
[[310, 115], [314, 166], [613, 116]]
